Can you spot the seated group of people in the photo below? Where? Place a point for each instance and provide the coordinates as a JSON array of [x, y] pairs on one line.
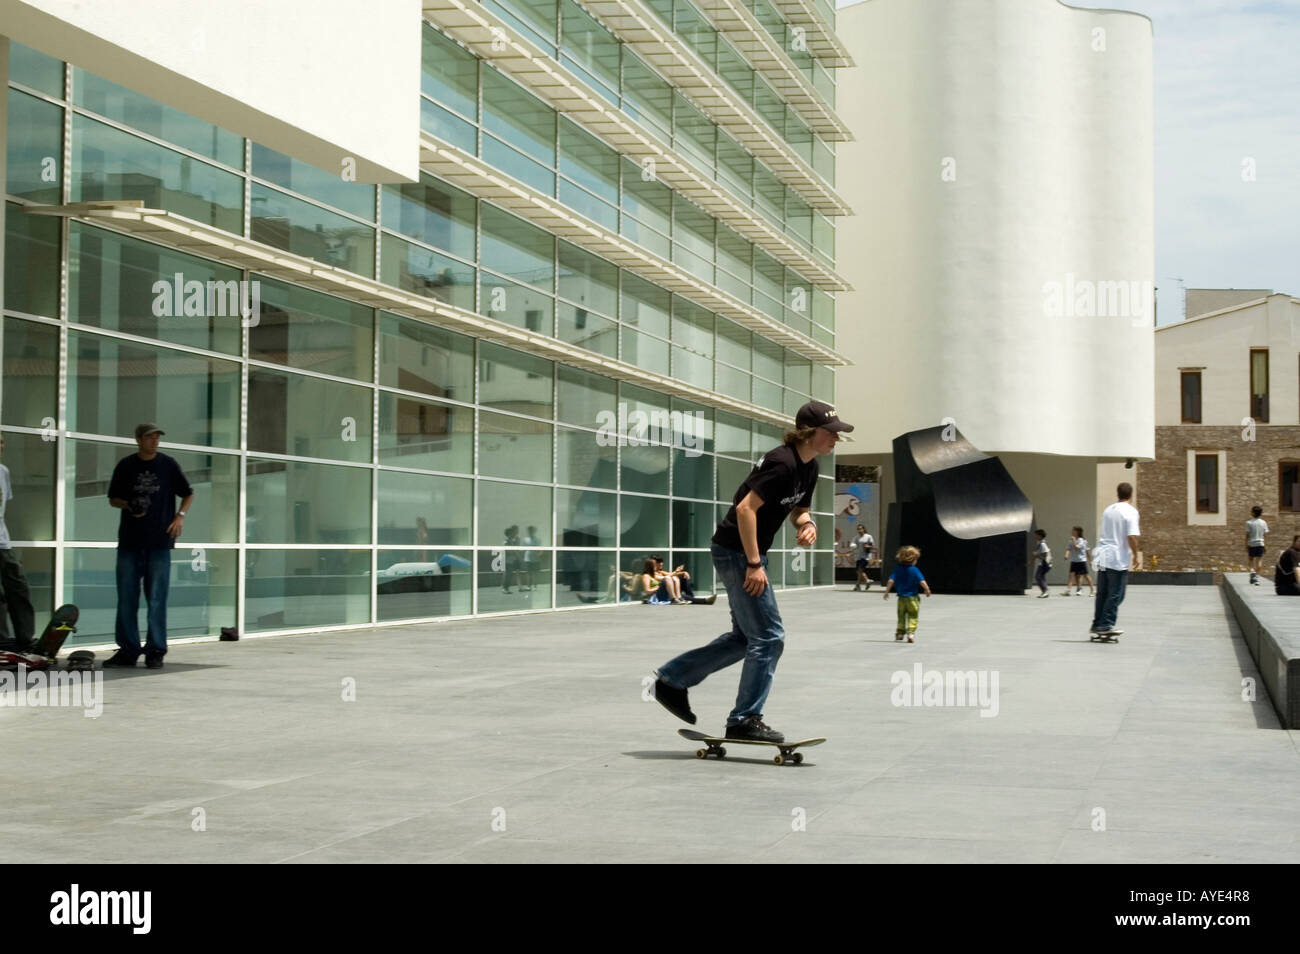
[[659, 587]]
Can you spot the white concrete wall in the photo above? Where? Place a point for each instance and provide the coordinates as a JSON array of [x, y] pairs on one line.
[[1220, 344], [334, 83], [1047, 126]]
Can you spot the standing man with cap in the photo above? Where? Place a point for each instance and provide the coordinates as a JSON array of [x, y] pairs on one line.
[[144, 487], [782, 484]]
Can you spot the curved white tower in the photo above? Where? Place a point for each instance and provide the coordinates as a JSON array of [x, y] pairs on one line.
[[1001, 247]]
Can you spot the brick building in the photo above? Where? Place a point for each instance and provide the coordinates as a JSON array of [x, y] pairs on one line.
[[1227, 431]]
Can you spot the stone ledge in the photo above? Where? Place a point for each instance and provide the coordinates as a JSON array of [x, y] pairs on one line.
[[1172, 577], [1271, 627]]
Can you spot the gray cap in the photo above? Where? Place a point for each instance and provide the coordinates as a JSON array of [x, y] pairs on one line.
[[142, 429]]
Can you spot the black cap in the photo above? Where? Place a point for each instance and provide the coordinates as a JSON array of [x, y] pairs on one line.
[[817, 414], [144, 429]]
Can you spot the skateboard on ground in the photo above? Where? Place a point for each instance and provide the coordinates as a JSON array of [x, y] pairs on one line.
[[1103, 637], [83, 660], [716, 746]]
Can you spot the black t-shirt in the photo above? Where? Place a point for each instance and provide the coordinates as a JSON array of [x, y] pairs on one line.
[[149, 487], [1284, 572], [784, 482]]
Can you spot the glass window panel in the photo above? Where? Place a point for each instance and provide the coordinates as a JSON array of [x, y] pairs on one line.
[[693, 131], [644, 522], [644, 468], [305, 229], [588, 576], [585, 518], [114, 385], [529, 580], [29, 386], [823, 161], [768, 358], [199, 602], [732, 285], [647, 353], [536, 19], [696, 265], [449, 73], [731, 382], [429, 274], [161, 121], [643, 400], [122, 284], [646, 95], [699, 564], [648, 307], [588, 161], [735, 165], [769, 106], [516, 249], [693, 526], [31, 262], [692, 327], [769, 193], [588, 280], [34, 148], [651, 242], [512, 162], [823, 497], [736, 72], [502, 506], [697, 422], [29, 514], [415, 356], [425, 434], [510, 380], [798, 218], [590, 44], [518, 117], [585, 397], [35, 69], [823, 308], [584, 203], [693, 228], [307, 329], [213, 517], [434, 213], [731, 474], [823, 383], [766, 394], [735, 253], [587, 330], [692, 368], [514, 447], [798, 372], [307, 417], [798, 136], [309, 503], [587, 458], [447, 126], [732, 436], [416, 584], [306, 589], [111, 164], [692, 475], [769, 275], [792, 401], [423, 511], [648, 199], [694, 30], [823, 235], [519, 305]]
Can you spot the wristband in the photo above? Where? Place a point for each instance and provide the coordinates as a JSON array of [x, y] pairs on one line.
[[754, 566]]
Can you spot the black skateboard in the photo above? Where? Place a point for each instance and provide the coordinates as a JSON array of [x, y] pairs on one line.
[[716, 746], [83, 660], [1104, 637], [62, 625]]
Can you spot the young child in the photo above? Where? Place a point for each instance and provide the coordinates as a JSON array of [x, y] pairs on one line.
[[1044, 555], [1077, 554], [910, 584]]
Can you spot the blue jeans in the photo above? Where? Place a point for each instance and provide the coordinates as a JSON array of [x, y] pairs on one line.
[[1110, 593], [1040, 577], [756, 636], [153, 568]]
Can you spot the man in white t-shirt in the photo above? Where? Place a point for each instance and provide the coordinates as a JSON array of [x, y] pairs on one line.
[[1115, 554], [863, 546], [15, 594], [1255, 530]]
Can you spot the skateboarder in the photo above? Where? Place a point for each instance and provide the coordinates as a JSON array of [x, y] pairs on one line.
[[781, 485], [144, 487], [1256, 528], [1115, 555], [15, 594]]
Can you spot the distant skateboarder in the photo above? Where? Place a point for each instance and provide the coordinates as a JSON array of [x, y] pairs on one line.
[[781, 485], [1115, 555]]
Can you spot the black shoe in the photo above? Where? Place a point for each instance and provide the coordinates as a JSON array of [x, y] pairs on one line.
[[119, 659], [710, 600], [153, 662], [674, 700], [753, 728]]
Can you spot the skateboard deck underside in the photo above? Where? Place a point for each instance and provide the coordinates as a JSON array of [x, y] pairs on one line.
[[716, 746]]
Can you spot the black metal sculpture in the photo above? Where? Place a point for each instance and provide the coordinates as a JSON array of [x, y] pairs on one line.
[[963, 510]]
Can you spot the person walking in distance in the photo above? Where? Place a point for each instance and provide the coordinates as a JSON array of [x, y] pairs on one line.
[[864, 545], [1256, 528], [144, 487], [1043, 555], [1115, 555], [15, 594], [1077, 555], [781, 485]]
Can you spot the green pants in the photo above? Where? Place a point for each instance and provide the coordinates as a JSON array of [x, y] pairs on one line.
[[909, 608]]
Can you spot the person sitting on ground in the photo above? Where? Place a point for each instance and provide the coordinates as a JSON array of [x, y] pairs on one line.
[[1286, 574], [662, 590], [684, 581]]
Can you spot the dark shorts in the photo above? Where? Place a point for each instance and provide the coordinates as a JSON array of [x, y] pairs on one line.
[[1079, 569], [1255, 551], [862, 565]]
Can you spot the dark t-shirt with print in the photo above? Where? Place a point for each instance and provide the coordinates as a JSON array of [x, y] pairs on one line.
[[149, 487], [784, 482]]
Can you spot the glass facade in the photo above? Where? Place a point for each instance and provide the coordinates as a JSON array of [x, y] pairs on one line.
[[353, 466]]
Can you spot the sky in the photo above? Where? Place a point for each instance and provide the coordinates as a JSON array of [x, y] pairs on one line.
[[1227, 90]]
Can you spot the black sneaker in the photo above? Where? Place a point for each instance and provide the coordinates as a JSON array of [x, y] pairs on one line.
[[711, 599], [674, 700], [753, 728], [119, 659], [153, 662]]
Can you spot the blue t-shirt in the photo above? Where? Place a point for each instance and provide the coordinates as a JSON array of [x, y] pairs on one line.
[[907, 579]]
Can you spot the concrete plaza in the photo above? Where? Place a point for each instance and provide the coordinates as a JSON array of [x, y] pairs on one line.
[[526, 739]]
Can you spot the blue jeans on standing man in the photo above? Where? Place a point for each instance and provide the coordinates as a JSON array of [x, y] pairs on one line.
[[756, 636], [153, 568], [1110, 593]]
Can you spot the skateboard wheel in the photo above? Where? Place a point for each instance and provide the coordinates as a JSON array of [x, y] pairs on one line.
[[701, 753], [721, 752], [798, 758], [779, 759]]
